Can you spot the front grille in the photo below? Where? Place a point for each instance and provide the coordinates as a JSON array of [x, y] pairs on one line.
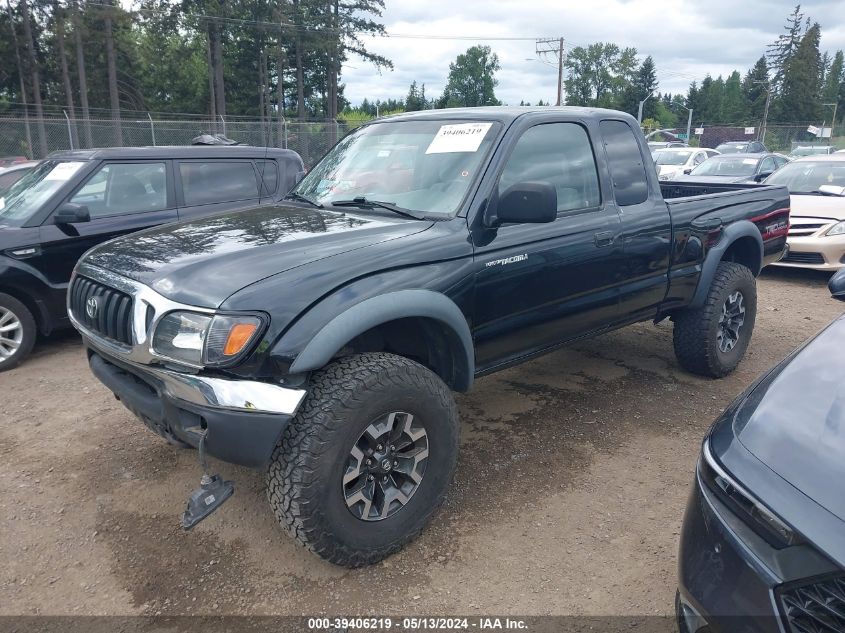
[[818, 607], [808, 228], [112, 317], [797, 257]]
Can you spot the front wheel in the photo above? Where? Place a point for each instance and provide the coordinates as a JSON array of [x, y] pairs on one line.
[[365, 463], [711, 340], [17, 332]]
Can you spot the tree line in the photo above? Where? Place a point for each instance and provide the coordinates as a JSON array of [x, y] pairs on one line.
[[94, 59], [793, 74]]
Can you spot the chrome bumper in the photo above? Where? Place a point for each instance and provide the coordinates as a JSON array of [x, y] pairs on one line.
[[217, 393]]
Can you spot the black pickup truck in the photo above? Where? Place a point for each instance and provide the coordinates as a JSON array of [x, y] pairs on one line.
[[319, 339]]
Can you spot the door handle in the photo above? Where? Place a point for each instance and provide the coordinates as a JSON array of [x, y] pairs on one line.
[[605, 238]]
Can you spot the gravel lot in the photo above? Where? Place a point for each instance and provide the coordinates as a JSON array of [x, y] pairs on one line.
[[569, 495]]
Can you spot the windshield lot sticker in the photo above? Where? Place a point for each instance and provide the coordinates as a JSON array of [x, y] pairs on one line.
[[460, 137], [63, 171], [749, 161]]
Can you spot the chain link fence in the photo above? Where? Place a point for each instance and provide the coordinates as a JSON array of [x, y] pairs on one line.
[[36, 138], [782, 138]]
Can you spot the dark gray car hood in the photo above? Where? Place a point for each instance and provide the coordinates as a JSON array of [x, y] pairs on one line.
[[205, 261], [798, 426]]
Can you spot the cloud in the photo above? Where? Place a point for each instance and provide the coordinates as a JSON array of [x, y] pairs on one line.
[[687, 38]]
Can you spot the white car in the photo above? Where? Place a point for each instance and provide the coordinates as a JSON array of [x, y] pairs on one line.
[[817, 221], [674, 162]]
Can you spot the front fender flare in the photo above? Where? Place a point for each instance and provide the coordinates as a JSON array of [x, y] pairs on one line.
[[384, 308]]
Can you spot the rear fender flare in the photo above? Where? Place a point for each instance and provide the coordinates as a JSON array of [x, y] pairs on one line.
[[730, 234]]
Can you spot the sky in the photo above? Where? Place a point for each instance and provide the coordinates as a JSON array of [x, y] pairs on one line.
[[686, 38]]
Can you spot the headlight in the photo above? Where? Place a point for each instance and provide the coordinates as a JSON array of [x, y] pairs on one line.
[[758, 517], [837, 229], [202, 339]]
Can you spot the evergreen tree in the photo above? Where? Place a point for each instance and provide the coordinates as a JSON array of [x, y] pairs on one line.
[[734, 103], [780, 52], [801, 86], [834, 85], [754, 87]]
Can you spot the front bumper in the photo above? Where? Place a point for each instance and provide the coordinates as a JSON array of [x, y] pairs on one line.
[[815, 252], [728, 576], [243, 420]]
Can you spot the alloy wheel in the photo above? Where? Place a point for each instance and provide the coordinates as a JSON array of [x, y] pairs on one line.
[[11, 333], [385, 466], [730, 322]]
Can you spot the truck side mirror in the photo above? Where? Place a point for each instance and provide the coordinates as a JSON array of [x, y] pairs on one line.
[[531, 202], [836, 285], [688, 171], [762, 176], [70, 213]]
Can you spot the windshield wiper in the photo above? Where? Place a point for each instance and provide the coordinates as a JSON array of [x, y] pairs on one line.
[[298, 196], [364, 203]]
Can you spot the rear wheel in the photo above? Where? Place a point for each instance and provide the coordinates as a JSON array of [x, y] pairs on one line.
[[711, 340], [367, 460], [17, 332]]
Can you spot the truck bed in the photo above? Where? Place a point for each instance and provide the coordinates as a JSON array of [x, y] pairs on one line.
[[680, 189]]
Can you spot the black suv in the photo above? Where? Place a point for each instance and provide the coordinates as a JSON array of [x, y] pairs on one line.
[[75, 200]]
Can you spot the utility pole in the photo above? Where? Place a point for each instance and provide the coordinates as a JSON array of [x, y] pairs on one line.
[[553, 46], [761, 136], [689, 124], [833, 122], [640, 109]]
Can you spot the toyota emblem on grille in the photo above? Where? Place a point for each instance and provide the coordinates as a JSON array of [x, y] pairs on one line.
[[91, 307]]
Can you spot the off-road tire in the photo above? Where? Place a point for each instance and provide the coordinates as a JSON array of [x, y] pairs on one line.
[[28, 330], [304, 479], [696, 329]]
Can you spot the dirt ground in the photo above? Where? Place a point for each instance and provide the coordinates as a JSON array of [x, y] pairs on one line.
[[569, 495]]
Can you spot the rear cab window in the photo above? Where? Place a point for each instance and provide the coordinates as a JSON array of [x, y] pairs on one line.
[[625, 163], [211, 181]]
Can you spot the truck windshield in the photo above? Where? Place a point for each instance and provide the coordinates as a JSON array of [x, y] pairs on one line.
[[726, 166], [424, 166], [671, 157], [807, 177], [27, 195]]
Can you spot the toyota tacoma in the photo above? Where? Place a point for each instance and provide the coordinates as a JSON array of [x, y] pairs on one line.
[[320, 339]]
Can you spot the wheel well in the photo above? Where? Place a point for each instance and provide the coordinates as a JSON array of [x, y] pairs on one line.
[[745, 251], [427, 341], [30, 304]]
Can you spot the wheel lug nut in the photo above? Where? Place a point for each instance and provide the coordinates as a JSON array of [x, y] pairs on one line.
[[369, 477], [369, 462], [395, 462], [384, 479], [392, 447], [379, 447]]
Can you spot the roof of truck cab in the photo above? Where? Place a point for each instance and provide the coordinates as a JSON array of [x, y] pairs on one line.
[[505, 114], [174, 151]]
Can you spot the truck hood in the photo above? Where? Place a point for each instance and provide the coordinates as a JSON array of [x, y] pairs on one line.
[[797, 428], [203, 262], [817, 206]]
